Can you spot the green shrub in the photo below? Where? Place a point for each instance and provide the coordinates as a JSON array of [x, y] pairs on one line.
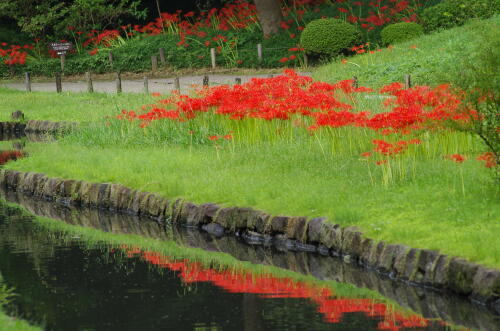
[[329, 36], [400, 32], [450, 13]]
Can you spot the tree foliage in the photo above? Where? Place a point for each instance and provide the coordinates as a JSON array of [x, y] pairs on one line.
[[40, 18]]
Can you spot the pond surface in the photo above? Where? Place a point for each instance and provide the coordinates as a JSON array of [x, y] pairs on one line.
[[66, 282]]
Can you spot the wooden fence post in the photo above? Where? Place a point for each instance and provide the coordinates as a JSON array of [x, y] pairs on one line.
[[118, 82], [238, 80], [146, 84], [212, 57], [259, 53], [154, 63], [177, 84], [88, 78], [110, 58], [27, 81], [407, 81], [162, 56], [63, 61], [58, 82], [205, 81]]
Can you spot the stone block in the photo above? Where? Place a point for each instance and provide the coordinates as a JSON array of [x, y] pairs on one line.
[[331, 236], [279, 224], [461, 277], [314, 230], [351, 241], [297, 229], [486, 285]]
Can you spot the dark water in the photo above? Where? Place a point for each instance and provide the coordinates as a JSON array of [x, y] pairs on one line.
[[66, 283]]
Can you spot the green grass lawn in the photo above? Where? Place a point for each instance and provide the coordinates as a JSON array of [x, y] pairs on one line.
[[434, 209], [77, 107], [434, 57]]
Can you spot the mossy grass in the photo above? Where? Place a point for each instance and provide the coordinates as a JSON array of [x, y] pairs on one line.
[[424, 58]]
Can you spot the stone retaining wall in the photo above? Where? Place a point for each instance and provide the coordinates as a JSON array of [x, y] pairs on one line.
[[34, 126], [415, 266]]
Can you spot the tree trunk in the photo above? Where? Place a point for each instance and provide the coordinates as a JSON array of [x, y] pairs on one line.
[[270, 16]]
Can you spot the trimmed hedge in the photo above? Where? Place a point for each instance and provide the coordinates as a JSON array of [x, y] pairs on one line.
[[329, 36], [399, 32], [450, 13]]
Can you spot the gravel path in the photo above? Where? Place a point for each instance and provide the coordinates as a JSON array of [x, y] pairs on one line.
[[161, 85]]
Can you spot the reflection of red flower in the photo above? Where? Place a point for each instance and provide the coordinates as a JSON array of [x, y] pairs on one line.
[[268, 286]]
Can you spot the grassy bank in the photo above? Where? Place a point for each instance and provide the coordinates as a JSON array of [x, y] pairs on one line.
[[426, 58], [8, 323], [446, 206], [77, 107]]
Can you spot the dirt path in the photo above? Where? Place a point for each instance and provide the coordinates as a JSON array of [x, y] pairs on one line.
[[161, 85]]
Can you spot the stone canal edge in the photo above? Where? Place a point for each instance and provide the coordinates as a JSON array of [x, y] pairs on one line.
[[418, 267], [36, 126]]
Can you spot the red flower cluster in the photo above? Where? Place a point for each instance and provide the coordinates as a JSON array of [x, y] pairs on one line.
[[318, 103], [268, 286], [6, 156], [457, 158], [388, 149], [14, 54], [488, 158]]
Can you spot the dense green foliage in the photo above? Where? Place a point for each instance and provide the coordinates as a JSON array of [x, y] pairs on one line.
[[399, 32], [424, 58], [450, 13], [51, 17], [329, 37], [477, 75]]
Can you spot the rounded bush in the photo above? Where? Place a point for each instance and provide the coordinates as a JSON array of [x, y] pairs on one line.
[[329, 36], [450, 13], [399, 32]]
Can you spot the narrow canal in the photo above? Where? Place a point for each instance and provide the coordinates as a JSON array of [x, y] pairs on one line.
[[87, 269]]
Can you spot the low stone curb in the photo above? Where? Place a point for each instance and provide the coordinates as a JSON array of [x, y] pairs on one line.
[[35, 126], [415, 266]]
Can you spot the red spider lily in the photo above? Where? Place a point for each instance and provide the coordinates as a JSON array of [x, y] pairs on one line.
[[6, 156], [457, 158], [288, 95], [488, 158]]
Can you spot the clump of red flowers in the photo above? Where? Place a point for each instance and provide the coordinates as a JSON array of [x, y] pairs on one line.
[[488, 158], [321, 104]]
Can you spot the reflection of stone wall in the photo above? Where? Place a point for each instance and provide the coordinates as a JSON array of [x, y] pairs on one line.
[[414, 266], [90, 217], [427, 302]]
